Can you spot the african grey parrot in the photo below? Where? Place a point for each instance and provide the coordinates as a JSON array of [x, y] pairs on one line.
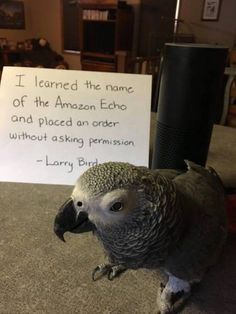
[[166, 219]]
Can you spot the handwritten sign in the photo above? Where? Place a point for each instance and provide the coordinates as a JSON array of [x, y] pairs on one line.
[[54, 124]]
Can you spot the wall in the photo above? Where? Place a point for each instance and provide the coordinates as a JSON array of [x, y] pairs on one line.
[[50, 27], [221, 32]]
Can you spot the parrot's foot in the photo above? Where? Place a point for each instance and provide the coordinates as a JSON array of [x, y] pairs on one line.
[[173, 295], [110, 270]]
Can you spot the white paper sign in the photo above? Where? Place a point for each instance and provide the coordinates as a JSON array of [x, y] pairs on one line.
[[54, 124]]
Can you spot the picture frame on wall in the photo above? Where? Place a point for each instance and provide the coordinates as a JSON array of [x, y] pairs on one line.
[[211, 10], [12, 14]]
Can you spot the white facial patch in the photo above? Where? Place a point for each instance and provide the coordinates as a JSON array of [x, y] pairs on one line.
[[109, 198], [99, 208], [81, 198]]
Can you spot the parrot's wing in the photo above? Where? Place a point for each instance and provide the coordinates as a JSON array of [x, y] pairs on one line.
[[202, 200], [209, 173]]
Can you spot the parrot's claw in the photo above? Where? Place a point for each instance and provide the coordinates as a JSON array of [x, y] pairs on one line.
[[110, 270], [101, 270]]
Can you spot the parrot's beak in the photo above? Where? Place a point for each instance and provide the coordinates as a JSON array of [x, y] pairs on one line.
[[68, 220]]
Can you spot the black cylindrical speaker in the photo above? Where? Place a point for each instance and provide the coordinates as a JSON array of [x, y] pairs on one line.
[[190, 87]]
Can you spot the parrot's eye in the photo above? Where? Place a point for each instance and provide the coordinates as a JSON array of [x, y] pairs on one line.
[[116, 207], [79, 204]]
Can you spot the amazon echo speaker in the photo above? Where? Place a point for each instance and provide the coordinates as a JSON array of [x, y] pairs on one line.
[[190, 89]]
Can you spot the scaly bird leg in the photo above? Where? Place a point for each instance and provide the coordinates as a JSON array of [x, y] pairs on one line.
[[111, 270], [173, 295]]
